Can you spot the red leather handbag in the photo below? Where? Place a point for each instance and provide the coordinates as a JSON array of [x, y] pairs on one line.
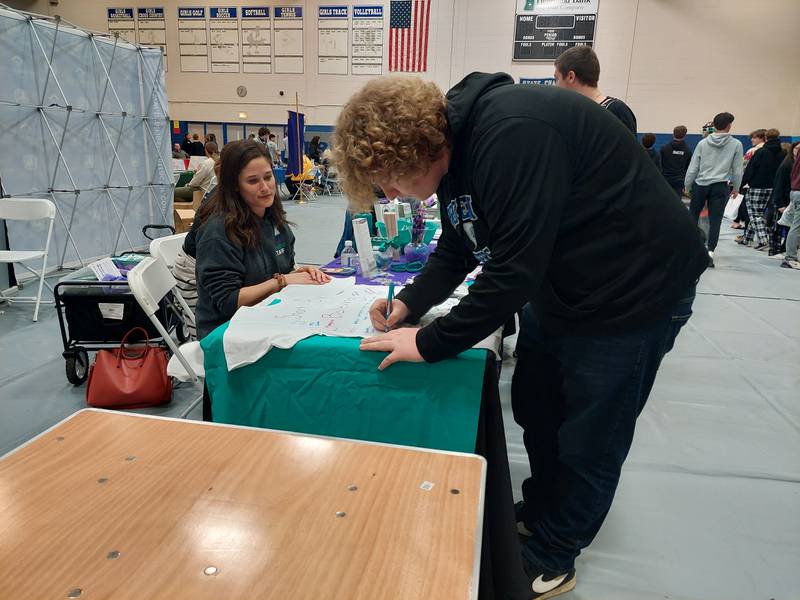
[[124, 378]]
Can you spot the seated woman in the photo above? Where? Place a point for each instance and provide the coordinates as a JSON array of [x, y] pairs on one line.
[[244, 246], [294, 181], [202, 177]]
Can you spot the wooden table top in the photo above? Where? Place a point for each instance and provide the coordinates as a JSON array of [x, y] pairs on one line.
[[114, 505]]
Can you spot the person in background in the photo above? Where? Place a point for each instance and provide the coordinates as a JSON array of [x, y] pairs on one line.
[[327, 156], [198, 148], [716, 160], [210, 137], [742, 220], [648, 141], [758, 178], [781, 189], [757, 140], [184, 268], [244, 245], [251, 137], [202, 176], [578, 69], [186, 144], [177, 152], [293, 182], [675, 159], [272, 147], [313, 149], [793, 238], [263, 136]]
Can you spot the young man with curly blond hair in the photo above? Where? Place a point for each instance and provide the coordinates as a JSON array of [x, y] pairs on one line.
[[557, 201]]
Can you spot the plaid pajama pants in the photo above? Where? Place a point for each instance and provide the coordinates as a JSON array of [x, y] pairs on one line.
[[757, 200]]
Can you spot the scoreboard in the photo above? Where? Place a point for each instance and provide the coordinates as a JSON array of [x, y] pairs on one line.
[[545, 28]]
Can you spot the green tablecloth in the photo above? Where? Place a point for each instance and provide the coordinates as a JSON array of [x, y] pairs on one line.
[[327, 386]]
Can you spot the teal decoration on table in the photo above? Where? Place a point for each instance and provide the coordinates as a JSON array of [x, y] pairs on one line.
[[403, 236], [430, 232], [406, 267]]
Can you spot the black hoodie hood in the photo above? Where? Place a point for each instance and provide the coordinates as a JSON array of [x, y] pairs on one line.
[[462, 98], [773, 147], [761, 170], [678, 144]]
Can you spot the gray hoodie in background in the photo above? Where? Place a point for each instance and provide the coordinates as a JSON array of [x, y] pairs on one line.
[[717, 158]]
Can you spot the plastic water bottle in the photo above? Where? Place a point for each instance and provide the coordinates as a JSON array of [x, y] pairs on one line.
[[349, 256]]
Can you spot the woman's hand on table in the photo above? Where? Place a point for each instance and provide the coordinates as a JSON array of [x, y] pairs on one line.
[[401, 344], [301, 278], [313, 273], [377, 314]]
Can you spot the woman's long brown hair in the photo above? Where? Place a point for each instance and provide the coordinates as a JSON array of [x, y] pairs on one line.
[[241, 225]]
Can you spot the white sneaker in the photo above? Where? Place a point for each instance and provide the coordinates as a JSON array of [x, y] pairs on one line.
[[711, 259], [791, 264], [778, 256]]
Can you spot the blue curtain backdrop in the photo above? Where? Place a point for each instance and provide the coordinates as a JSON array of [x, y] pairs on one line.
[[295, 134]]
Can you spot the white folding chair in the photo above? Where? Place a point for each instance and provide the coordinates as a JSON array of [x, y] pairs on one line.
[[28, 209], [166, 248], [150, 281]]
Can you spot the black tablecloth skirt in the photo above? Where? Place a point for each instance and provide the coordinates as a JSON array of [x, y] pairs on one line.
[[501, 574]]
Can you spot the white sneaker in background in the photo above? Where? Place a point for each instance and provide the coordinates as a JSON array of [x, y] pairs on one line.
[[791, 264], [711, 258], [778, 256]]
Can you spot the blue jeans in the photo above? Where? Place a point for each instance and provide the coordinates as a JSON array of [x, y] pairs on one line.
[[577, 398], [793, 238]]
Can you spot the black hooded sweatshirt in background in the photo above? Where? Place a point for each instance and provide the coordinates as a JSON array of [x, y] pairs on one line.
[[654, 156], [675, 159], [557, 200], [760, 171], [783, 184]]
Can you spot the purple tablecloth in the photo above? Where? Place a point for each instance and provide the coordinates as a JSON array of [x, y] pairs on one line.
[[383, 277]]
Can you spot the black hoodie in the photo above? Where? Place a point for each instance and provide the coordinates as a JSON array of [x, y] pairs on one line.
[[783, 184], [675, 159], [557, 200], [760, 171]]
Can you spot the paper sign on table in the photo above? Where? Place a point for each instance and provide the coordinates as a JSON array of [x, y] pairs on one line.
[[103, 267], [364, 244]]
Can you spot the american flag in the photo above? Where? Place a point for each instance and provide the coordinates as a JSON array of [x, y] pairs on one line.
[[408, 35]]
